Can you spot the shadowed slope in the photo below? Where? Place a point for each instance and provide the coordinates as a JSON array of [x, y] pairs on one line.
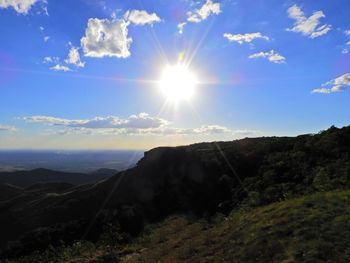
[[200, 179]]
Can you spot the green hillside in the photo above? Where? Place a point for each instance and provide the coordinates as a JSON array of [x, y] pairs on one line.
[[314, 228], [269, 199]]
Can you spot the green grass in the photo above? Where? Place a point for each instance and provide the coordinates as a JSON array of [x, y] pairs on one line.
[[314, 228], [310, 229], [78, 252]]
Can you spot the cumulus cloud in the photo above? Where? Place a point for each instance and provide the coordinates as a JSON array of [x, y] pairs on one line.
[[272, 56], [308, 26], [7, 128], [74, 58], [20, 6], [46, 38], [106, 38], [139, 124], [141, 17], [59, 67], [204, 12], [244, 38], [336, 85], [140, 121], [198, 15], [143, 121]]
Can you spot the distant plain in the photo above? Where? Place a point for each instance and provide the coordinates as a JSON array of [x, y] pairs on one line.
[[68, 161]]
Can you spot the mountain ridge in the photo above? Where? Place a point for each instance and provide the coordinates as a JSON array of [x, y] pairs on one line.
[[200, 179]]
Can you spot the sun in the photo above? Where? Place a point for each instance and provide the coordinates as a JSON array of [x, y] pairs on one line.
[[177, 83]]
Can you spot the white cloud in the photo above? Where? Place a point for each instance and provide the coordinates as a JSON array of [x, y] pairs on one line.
[[74, 58], [212, 129], [167, 130], [20, 6], [343, 80], [321, 90], [180, 27], [336, 85], [46, 38], [204, 12], [140, 124], [59, 67], [141, 17], [272, 56], [106, 38], [328, 90], [109, 37], [140, 121], [308, 26], [46, 12], [245, 38], [198, 15], [48, 60], [345, 48], [7, 128]]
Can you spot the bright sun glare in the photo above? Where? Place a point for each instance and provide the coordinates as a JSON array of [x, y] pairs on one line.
[[177, 83]]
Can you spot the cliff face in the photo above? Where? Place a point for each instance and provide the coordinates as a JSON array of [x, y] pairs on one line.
[[200, 179], [167, 180]]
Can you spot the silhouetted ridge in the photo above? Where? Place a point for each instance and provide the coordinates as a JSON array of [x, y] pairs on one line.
[[200, 179]]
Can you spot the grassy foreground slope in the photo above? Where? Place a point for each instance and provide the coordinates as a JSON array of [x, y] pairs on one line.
[[314, 228]]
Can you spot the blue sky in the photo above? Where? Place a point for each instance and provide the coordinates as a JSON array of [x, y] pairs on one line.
[[83, 74]]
